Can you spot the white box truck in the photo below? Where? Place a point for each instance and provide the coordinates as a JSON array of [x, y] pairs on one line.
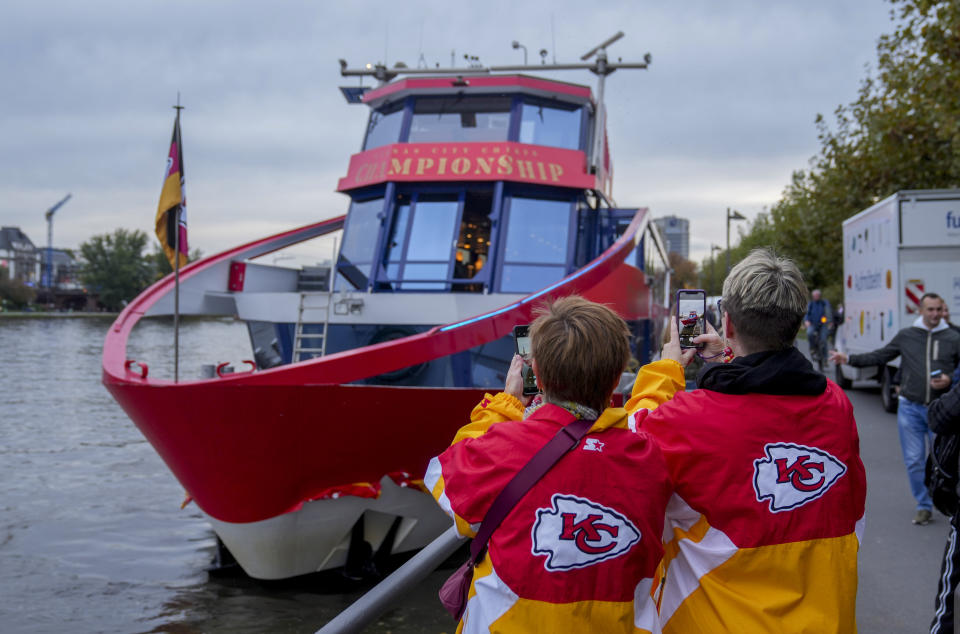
[[894, 252]]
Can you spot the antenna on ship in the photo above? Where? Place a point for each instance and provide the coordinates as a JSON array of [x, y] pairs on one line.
[[602, 69]]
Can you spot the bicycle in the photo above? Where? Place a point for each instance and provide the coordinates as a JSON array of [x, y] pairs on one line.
[[818, 347]]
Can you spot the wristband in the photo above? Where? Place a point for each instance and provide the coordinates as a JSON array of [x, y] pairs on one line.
[[726, 353]]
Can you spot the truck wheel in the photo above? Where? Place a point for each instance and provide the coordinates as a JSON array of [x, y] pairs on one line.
[[887, 394], [841, 380]]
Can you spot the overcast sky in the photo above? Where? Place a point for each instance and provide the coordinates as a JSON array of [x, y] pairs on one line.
[[721, 119]]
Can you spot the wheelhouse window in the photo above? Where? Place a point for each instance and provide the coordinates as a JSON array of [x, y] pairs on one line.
[[384, 126], [456, 118], [421, 242], [431, 241], [439, 241], [553, 124], [473, 243], [537, 244], [359, 243]]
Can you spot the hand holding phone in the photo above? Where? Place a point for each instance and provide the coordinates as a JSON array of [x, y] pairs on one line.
[[691, 315], [521, 340]]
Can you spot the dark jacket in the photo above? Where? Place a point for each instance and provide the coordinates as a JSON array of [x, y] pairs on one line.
[[817, 310], [921, 351], [943, 414]]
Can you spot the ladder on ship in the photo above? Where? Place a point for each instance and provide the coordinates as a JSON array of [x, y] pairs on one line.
[[315, 297]]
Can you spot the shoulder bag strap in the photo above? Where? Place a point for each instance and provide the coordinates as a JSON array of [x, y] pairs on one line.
[[564, 440]]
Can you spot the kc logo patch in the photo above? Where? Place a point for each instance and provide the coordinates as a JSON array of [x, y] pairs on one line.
[[576, 533], [792, 475]]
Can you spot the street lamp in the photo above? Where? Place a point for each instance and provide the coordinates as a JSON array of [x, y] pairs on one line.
[[517, 44], [731, 215], [713, 266]]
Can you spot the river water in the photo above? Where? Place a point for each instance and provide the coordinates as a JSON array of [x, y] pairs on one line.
[[92, 537]]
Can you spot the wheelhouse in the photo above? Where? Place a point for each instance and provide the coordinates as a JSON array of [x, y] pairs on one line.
[[474, 186]]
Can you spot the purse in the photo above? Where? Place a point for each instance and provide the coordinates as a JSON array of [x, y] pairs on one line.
[[453, 593]]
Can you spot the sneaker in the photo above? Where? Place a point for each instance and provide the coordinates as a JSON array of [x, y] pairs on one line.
[[922, 518]]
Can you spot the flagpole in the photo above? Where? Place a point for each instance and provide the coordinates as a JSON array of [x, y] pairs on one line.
[[176, 299], [176, 266]]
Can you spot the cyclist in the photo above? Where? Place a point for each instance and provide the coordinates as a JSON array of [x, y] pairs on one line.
[[818, 319]]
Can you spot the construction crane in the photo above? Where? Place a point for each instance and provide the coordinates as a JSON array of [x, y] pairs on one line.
[[47, 277]]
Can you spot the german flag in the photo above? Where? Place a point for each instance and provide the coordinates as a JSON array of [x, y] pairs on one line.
[[173, 198]]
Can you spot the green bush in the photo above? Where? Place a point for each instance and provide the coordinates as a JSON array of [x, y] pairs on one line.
[[16, 294]]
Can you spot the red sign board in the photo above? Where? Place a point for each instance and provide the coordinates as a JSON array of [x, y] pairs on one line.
[[499, 161]]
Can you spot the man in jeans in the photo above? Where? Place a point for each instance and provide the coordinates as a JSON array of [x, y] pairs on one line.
[[929, 350]]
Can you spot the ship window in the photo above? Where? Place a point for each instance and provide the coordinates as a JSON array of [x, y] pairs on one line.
[[359, 242], [655, 267], [398, 237], [555, 125], [432, 230], [384, 126], [455, 118], [430, 242], [473, 244], [538, 235]]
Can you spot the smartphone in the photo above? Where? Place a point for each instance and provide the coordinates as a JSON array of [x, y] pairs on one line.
[[521, 340], [936, 373], [691, 312]]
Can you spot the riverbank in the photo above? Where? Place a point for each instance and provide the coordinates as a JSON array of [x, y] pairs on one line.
[[12, 314]]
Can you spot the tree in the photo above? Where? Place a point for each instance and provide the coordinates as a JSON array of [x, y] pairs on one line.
[[683, 272], [114, 266], [902, 132], [161, 265], [16, 294]]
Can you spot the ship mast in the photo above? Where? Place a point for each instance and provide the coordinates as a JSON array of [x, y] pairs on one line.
[[600, 66]]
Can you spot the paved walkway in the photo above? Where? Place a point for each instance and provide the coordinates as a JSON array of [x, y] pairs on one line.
[[899, 562]]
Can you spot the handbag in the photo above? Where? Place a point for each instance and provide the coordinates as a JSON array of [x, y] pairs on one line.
[[453, 593]]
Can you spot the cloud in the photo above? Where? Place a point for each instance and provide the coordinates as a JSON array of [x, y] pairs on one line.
[[722, 117]]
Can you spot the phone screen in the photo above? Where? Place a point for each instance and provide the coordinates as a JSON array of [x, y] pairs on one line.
[[691, 310], [521, 337]]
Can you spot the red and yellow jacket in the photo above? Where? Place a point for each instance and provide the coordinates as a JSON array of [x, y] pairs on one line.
[[579, 552], [763, 530]]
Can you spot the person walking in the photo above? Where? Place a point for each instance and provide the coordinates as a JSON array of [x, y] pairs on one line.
[[929, 350], [763, 529], [818, 321], [943, 416]]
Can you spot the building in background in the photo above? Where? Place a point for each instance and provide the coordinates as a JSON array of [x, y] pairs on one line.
[[19, 256], [676, 231]]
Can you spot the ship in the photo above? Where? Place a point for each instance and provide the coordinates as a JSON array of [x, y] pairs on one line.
[[478, 194]]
